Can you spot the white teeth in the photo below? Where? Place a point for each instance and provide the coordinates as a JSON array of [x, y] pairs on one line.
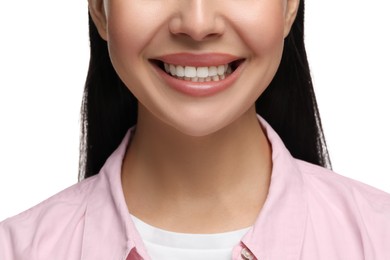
[[202, 72], [213, 71], [179, 71], [190, 71], [198, 74], [221, 70], [172, 69], [166, 67]]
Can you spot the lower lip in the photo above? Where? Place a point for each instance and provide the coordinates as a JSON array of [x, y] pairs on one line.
[[199, 89]]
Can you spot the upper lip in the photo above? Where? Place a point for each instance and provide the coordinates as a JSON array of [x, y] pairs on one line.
[[198, 60]]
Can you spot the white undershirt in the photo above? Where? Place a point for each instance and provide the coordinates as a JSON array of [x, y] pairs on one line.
[[166, 245]]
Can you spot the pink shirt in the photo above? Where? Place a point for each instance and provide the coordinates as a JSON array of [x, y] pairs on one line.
[[310, 213]]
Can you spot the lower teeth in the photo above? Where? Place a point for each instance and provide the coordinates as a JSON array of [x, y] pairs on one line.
[[196, 79]]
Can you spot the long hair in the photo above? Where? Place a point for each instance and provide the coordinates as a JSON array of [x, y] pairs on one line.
[[288, 104]]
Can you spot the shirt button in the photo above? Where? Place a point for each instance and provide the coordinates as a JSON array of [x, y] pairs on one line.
[[246, 254]]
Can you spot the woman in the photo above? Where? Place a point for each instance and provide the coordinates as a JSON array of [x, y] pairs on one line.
[[201, 175]]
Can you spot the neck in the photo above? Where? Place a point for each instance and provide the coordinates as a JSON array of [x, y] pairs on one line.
[[181, 170]]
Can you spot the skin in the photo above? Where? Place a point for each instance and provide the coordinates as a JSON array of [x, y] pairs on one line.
[[196, 164]]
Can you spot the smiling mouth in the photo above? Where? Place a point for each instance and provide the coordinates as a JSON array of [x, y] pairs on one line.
[[199, 74]]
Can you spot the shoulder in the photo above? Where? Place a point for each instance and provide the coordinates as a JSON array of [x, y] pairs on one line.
[[56, 217], [321, 180], [70, 198], [359, 213]]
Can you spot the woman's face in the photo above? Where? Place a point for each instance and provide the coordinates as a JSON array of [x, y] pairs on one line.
[[196, 65]]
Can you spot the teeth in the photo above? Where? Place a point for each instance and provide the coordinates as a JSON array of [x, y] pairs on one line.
[[172, 69], [229, 70], [221, 70], [202, 72], [189, 72], [166, 67], [213, 71], [179, 71], [198, 74]]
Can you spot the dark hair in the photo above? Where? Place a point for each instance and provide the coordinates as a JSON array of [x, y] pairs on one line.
[[288, 104]]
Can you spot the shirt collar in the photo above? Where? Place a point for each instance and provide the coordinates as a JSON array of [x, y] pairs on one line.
[[109, 232], [279, 229], [278, 232]]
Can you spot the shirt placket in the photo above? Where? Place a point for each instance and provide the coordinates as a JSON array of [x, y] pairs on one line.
[[241, 252]]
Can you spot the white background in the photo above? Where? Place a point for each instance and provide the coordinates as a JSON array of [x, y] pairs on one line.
[[43, 63]]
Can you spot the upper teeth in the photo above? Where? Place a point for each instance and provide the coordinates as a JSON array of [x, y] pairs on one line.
[[198, 73]]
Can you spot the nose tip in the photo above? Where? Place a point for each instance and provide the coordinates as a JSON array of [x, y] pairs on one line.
[[195, 29], [199, 21]]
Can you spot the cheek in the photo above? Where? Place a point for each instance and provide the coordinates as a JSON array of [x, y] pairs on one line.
[[121, 38], [261, 27], [130, 30]]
